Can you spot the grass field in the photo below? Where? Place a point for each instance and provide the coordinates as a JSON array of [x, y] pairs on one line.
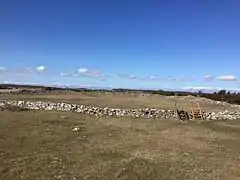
[[38, 145], [118, 101]]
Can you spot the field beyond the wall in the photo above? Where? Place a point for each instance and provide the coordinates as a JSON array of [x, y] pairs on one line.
[[38, 145], [118, 100]]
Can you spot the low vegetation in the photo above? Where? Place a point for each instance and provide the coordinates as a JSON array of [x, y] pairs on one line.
[[38, 145]]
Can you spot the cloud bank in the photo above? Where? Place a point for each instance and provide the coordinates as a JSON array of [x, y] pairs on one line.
[[19, 71], [85, 72], [92, 74], [220, 78], [227, 78], [89, 72]]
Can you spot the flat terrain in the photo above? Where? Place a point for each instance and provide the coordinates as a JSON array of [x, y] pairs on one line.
[[118, 100], [38, 145], [8, 90]]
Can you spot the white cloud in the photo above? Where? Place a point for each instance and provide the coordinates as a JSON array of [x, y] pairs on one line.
[[175, 79], [227, 78], [28, 70], [23, 71], [209, 77], [89, 72], [64, 74], [21, 83], [40, 68], [170, 78], [132, 77], [156, 78], [122, 75], [84, 72]]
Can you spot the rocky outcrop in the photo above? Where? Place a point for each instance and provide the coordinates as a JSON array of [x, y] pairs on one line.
[[110, 111]]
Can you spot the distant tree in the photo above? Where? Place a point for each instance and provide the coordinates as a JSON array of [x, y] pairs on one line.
[[200, 93], [222, 92]]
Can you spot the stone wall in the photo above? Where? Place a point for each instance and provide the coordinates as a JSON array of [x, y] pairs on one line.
[[109, 111]]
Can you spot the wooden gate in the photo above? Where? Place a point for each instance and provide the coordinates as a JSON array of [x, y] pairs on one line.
[[195, 113]]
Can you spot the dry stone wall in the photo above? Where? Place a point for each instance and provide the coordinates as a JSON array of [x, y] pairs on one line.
[[110, 111]]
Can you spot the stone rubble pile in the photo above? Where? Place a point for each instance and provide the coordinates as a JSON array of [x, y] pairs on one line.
[[110, 111], [224, 115]]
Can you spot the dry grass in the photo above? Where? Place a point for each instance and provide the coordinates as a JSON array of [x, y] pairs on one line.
[[154, 101], [41, 145], [8, 90]]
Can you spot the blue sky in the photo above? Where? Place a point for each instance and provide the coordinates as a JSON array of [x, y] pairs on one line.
[[121, 43]]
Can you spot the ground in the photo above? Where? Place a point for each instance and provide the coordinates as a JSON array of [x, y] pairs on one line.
[[39, 145]]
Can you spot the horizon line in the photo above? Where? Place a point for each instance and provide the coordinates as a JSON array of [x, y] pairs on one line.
[[97, 87]]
